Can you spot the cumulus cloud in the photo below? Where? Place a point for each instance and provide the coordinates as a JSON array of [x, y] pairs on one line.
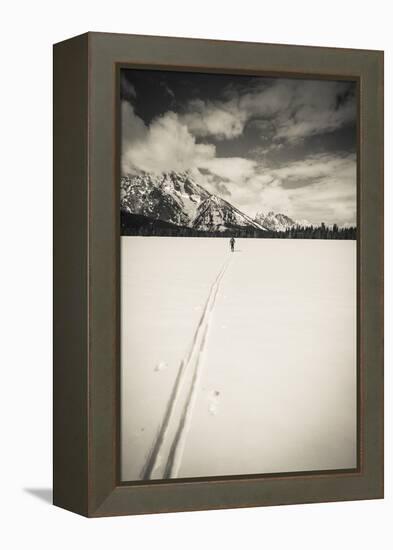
[[165, 145], [133, 129]]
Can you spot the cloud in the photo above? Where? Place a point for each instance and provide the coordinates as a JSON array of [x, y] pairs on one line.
[[318, 167], [320, 188], [316, 109], [222, 120], [127, 90], [285, 109], [327, 193], [227, 177], [274, 199], [163, 146], [236, 169], [133, 129], [213, 183], [167, 89], [268, 100]]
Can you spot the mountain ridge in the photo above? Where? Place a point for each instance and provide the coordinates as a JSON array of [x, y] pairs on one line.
[[176, 197], [275, 222]]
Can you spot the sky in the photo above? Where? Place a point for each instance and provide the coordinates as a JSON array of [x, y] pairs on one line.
[[263, 144]]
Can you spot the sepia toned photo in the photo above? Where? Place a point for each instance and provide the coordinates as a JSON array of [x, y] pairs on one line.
[[238, 254]]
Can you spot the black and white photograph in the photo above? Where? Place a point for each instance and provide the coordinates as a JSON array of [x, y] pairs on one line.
[[238, 253]]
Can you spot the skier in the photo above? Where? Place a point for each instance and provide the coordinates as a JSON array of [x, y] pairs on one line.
[[232, 241]]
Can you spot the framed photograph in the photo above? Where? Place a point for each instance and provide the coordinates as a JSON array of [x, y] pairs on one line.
[[218, 274]]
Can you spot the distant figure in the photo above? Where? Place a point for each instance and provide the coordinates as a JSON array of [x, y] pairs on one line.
[[232, 241]]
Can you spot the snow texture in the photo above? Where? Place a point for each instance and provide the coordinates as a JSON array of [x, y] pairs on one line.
[[237, 363]]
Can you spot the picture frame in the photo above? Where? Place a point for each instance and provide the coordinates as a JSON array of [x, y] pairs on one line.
[[86, 386]]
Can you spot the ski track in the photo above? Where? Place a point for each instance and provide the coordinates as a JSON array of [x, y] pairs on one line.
[[192, 363]]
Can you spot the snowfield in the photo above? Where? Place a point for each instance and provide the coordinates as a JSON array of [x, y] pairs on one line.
[[237, 363]]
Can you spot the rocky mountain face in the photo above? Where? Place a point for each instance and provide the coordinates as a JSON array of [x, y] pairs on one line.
[[176, 198], [218, 214], [172, 197], [275, 222]]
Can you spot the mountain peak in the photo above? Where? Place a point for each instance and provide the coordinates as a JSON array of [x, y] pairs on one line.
[[275, 222], [217, 214], [177, 198]]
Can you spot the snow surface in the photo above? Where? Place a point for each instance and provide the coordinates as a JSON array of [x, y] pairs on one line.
[[237, 363]]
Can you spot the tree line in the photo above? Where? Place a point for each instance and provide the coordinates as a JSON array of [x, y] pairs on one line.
[[138, 225], [322, 231]]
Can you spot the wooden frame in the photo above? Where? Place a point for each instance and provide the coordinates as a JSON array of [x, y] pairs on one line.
[[86, 275]]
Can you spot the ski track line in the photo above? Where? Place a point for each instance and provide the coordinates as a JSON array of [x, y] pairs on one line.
[[203, 323], [177, 448]]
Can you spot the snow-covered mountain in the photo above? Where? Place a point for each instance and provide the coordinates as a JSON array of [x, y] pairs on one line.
[[219, 214], [275, 222], [172, 197], [177, 198]]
